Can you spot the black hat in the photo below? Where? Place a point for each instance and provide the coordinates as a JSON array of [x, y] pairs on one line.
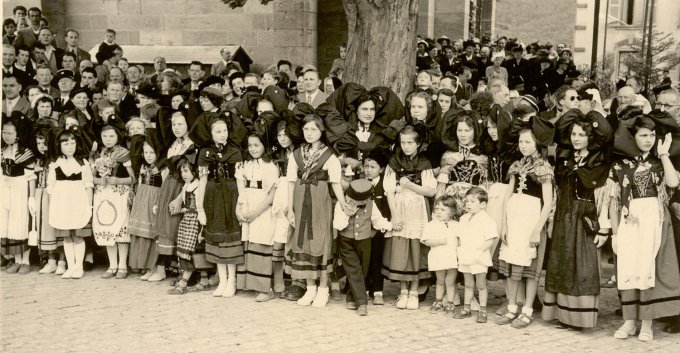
[[149, 90], [379, 156], [64, 73], [180, 92], [469, 43], [518, 48], [543, 52], [348, 144], [602, 131], [544, 59], [359, 190], [211, 80], [77, 90], [265, 128]]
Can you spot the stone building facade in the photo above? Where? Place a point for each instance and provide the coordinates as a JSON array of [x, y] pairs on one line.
[[303, 31]]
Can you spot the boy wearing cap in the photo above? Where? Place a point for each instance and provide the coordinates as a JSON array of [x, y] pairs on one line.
[[374, 170], [355, 229]]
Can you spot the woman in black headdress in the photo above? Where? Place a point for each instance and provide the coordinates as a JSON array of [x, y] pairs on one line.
[[143, 251], [18, 185], [463, 165], [166, 207], [288, 138], [47, 238], [528, 206], [581, 221], [409, 183], [216, 199], [648, 278], [257, 179]]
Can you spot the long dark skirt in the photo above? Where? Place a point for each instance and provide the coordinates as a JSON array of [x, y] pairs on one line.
[[166, 224], [308, 251], [256, 274], [222, 231], [405, 259]]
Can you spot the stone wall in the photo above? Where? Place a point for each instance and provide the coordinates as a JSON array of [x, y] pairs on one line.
[[531, 20], [282, 29]]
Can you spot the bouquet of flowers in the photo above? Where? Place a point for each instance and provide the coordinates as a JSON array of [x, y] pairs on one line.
[[104, 166]]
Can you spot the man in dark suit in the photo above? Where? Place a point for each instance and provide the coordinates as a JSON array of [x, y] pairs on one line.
[[66, 80], [450, 62], [12, 101], [8, 59], [221, 66], [71, 39], [44, 77], [126, 106], [53, 55], [469, 60], [23, 64], [28, 36], [196, 75], [518, 68]]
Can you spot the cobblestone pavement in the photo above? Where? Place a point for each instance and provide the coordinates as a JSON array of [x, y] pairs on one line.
[[44, 312]]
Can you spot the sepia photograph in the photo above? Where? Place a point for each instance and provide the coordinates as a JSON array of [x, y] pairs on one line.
[[340, 176]]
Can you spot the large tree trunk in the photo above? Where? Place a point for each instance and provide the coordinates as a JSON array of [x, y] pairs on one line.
[[381, 43]]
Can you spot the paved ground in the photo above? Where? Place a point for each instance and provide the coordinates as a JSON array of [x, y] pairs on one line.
[[41, 312]]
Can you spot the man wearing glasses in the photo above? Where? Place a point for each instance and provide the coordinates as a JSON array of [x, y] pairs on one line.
[[669, 101]]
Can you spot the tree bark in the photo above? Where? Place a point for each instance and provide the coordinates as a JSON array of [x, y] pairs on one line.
[[381, 43]]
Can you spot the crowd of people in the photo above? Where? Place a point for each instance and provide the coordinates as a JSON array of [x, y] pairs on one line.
[[508, 164]]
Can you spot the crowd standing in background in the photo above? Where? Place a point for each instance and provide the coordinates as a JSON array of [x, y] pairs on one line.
[[504, 161]]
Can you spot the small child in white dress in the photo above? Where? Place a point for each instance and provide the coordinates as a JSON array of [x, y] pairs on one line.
[[441, 235]]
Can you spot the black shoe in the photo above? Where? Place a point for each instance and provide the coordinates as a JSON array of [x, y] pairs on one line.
[[423, 296], [88, 266], [672, 328], [295, 293], [538, 306]]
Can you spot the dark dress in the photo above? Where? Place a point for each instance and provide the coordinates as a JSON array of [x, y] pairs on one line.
[[572, 281], [223, 231], [308, 251]]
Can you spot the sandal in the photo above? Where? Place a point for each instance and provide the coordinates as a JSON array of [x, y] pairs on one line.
[[110, 273], [121, 274], [462, 314], [608, 284], [181, 288], [198, 287], [509, 317], [623, 332], [522, 321], [646, 335]]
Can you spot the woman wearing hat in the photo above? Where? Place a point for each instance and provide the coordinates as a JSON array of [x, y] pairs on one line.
[[167, 221], [528, 206], [423, 59], [257, 179], [648, 278], [496, 70], [17, 184], [573, 277]]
